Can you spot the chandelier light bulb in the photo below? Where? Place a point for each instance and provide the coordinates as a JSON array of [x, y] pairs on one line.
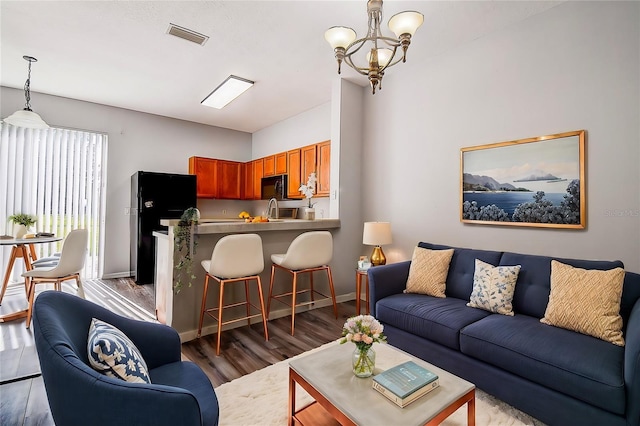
[[340, 37], [406, 22], [384, 57]]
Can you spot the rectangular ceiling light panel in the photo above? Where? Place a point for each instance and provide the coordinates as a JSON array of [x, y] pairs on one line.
[[187, 34], [230, 89]]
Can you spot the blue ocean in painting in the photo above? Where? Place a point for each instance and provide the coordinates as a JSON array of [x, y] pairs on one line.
[[508, 201]]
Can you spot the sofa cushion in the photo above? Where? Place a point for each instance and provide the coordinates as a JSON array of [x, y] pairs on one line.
[[113, 354], [574, 364], [434, 318], [493, 287], [462, 267], [586, 301], [428, 271], [187, 375], [534, 279]]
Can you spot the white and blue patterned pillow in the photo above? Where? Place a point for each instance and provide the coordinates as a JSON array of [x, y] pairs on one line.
[[493, 287], [113, 354]]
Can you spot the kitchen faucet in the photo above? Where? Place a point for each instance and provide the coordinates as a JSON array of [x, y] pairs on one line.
[[275, 202]]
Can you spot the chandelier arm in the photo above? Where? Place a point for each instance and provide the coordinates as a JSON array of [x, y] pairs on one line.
[[360, 70]]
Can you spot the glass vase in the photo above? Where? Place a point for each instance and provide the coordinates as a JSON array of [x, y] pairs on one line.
[[363, 361]]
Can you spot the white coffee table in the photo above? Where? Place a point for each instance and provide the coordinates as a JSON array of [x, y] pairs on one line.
[[344, 399]]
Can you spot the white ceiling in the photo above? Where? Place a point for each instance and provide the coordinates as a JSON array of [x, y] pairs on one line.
[[118, 53]]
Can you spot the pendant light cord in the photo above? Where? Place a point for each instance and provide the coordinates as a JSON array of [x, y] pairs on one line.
[[27, 91]]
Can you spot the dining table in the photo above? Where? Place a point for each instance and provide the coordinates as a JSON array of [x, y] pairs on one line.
[[21, 248]]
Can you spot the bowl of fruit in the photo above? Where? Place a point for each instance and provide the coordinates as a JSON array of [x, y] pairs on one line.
[[250, 219]]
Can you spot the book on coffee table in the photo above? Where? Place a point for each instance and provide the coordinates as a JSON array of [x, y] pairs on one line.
[[405, 383]]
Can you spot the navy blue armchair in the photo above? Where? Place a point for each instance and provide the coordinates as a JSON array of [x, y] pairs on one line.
[[180, 393]]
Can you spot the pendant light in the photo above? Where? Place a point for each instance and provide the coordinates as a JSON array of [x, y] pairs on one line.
[[26, 117]]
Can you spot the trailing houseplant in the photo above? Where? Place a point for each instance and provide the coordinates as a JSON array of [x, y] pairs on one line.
[[185, 245]]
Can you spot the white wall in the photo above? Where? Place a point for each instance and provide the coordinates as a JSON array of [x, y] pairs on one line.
[[576, 66], [137, 141]]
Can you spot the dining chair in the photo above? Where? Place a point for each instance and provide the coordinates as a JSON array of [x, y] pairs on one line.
[[235, 258], [72, 258], [309, 252]]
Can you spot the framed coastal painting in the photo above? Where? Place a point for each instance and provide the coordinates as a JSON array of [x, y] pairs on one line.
[[537, 182]]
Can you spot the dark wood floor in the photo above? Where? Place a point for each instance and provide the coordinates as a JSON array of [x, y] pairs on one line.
[[243, 350]]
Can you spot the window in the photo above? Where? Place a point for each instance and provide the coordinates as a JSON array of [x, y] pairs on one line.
[[59, 176]]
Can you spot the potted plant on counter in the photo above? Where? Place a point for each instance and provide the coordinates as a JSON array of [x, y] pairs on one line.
[[23, 222], [308, 190], [185, 245]]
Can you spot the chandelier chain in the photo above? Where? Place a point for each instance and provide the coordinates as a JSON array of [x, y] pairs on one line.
[[27, 89]]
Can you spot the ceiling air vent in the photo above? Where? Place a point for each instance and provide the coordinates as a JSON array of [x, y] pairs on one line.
[[187, 34]]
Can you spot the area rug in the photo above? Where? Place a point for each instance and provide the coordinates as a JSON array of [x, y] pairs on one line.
[[261, 398]]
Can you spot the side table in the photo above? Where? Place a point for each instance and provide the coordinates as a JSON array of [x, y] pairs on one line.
[[359, 275]]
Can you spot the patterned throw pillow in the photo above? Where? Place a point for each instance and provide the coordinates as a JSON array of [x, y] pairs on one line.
[[113, 354], [586, 301], [493, 287], [428, 271]]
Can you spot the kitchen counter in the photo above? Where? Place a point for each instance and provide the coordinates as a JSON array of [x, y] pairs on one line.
[[225, 226], [181, 311]]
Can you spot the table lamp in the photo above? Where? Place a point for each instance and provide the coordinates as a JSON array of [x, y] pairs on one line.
[[377, 234]]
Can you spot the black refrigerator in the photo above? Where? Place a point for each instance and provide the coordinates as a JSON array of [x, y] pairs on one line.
[[155, 196]]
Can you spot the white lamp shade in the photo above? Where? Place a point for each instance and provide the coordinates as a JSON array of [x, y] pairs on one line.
[[405, 22], [376, 233], [339, 36], [27, 119], [384, 56]]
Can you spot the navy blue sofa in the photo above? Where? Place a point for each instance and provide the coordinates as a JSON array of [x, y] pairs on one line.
[[180, 393], [557, 376]]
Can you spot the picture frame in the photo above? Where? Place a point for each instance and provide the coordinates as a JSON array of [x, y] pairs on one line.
[[533, 182]]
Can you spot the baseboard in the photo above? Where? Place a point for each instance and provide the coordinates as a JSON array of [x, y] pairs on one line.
[[117, 275], [186, 336]]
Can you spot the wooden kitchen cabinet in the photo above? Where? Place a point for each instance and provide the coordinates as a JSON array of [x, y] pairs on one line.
[[269, 164], [308, 162], [281, 163], [258, 173], [293, 172], [205, 170], [323, 168], [229, 179], [247, 181], [216, 178]]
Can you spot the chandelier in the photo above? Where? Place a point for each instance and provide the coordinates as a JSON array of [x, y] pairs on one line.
[[382, 51], [26, 117]]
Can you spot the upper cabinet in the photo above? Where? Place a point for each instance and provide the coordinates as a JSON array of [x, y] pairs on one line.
[[323, 155], [281, 163], [206, 176], [216, 178], [232, 180], [229, 179], [306, 160], [293, 172], [258, 173], [269, 164]]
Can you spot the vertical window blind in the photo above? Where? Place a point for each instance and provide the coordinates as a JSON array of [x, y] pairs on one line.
[[58, 176]]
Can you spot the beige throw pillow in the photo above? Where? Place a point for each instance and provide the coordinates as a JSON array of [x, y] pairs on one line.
[[493, 287], [586, 301], [428, 271]]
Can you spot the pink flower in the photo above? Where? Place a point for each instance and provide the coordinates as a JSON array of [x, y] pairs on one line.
[[368, 340], [357, 337]]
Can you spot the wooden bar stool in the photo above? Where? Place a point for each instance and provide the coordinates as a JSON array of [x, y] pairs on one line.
[[308, 252], [235, 258]]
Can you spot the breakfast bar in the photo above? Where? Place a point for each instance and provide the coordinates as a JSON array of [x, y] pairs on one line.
[[181, 309]]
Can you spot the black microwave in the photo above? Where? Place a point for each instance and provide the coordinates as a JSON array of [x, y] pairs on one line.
[[274, 187]]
